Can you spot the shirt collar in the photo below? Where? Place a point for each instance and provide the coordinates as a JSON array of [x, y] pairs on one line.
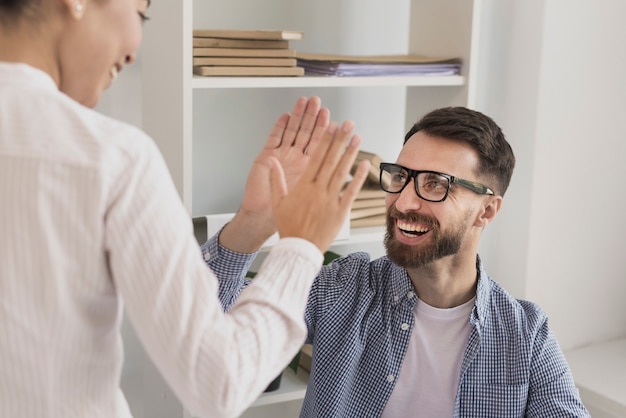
[[23, 73], [483, 291], [401, 287]]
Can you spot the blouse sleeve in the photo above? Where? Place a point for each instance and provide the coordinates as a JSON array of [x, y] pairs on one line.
[[216, 363]]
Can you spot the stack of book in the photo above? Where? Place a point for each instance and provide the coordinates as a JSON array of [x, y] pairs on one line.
[[245, 53], [377, 65], [369, 207]]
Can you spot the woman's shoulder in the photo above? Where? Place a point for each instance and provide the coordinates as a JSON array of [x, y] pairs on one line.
[[100, 139]]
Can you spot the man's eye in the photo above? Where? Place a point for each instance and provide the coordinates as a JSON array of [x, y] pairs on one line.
[[434, 184], [398, 178]]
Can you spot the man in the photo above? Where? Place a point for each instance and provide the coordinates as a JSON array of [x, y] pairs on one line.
[[424, 331]]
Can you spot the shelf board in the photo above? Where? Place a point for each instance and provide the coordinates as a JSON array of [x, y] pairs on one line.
[[363, 235], [323, 81], [599, 371], [203, 230], [292, 387], [357, 236]]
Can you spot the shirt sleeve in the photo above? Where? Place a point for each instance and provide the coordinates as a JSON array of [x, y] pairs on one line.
[[347, 274], [216, 363], [552, 391], [230, 268]]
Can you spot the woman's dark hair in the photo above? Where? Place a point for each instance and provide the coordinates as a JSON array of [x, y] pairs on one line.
[[12, 10], [12, 7], [481, 133]]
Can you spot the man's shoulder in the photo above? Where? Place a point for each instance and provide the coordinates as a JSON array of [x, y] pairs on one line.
[[361, 257], [361, 262], [362, 274], [513, 313]]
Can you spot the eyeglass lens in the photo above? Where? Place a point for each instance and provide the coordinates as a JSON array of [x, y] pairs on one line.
[[428, 185]]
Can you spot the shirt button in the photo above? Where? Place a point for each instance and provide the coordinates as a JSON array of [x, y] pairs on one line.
[[410, 295], [207, 256], [396, 298], [404, 326], [390, 378]]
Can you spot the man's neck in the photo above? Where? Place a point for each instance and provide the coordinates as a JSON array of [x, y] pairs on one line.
[[446, 283]]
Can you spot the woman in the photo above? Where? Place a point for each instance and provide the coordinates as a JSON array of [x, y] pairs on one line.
[[90, 221]]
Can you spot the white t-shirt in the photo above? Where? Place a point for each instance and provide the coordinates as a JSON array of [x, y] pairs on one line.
[[89, 218], [429, 377]]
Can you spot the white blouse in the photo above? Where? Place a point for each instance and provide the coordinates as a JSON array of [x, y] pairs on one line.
[[89, 221]]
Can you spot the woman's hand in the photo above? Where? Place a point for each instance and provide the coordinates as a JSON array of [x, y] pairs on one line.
[[291, 142], [316, 207]]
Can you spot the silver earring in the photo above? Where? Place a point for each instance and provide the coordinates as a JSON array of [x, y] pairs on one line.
[[78, 7]]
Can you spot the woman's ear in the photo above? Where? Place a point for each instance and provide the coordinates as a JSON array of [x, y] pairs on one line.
[[76, 8], [489, 211]]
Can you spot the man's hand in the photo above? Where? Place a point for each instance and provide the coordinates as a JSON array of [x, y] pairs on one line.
[[316, 208], [291, 142]]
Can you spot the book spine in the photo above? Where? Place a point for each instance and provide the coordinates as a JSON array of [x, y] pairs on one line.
[[243, 52], [245, 62], [248, 71], [240, 43]]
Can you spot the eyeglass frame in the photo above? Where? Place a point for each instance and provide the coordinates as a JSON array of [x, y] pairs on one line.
[[412, 174]]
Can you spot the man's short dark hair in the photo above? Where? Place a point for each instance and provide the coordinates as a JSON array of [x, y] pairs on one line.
[[481, 133]]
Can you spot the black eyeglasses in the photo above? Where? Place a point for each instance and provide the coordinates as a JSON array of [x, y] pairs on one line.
[[429, 185]]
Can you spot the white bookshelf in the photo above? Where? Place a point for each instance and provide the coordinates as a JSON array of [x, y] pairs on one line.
[[210, 129], [173, 97], [292, 387]]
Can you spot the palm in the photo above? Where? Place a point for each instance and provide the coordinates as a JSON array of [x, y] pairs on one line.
[[291, 142]]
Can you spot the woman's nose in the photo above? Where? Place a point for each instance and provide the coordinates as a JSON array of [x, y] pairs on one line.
[[130, 58]]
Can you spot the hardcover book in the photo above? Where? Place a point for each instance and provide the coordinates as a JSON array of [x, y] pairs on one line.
[[249, 34], [369, 192], [377, 220], [378, 65], [248, 71], [368, 203], [373, 177], [376, 59], [240, 43], [243, 52], [367, 212], [245, 62]]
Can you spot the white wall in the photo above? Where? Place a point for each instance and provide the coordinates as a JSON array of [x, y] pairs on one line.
[[123, 99], [508, 75], [576, 266], [552, 75]]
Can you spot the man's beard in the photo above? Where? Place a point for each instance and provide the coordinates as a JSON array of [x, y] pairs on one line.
[[442, 244]]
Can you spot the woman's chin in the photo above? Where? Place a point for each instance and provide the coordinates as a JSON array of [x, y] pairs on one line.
[[91, 103]]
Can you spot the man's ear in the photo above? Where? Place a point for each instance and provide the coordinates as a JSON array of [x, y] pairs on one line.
[[490, 209]]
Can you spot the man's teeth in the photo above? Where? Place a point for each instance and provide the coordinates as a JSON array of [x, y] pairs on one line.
[[411, 227], [113, 72]]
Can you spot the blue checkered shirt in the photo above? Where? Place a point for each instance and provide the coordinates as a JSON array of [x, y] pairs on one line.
[[512, 365]]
